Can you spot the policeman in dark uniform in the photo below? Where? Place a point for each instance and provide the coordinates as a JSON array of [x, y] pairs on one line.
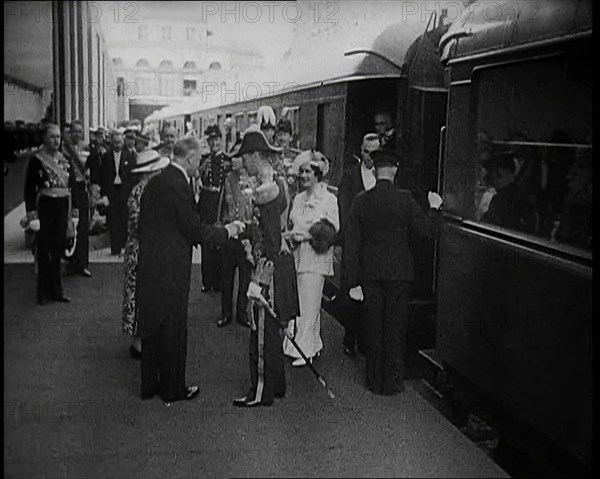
[[48, 206], [378, 262], [212, 178]]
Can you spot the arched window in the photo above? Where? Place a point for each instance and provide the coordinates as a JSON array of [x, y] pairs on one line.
[[189, 65], [118, 62], [143, 63], [166, 65], [214, 66]]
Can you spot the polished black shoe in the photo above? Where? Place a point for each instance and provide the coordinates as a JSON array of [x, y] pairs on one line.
[[85, 272], [192, 392], [150, 395], [245, 402], [64, 299], [134, 353], [223, 322], [43, 301]]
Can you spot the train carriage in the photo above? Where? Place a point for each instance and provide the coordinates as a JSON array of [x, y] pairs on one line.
[[514, 294]]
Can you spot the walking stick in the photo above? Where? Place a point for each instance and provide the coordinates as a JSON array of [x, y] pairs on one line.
[[263, 302]]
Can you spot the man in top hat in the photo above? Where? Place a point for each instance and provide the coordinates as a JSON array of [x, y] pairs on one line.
[[212, 178], [379, 268], [270, 278]]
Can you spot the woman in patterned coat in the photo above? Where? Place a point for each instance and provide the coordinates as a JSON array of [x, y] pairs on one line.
[[149, 164]]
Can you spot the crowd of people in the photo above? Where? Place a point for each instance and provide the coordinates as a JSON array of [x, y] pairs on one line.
[[263, 210]]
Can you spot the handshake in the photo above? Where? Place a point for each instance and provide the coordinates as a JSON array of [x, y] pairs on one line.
[[235, 228]]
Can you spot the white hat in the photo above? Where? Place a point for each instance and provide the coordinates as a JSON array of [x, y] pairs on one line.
[[149, 161], [313, 157]]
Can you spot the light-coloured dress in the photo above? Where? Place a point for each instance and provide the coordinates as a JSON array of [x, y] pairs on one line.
[[312, 268], [132, 248]]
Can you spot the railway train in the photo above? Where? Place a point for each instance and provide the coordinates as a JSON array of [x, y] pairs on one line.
[[512, 296]]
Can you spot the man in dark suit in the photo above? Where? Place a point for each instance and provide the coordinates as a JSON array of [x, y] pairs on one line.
[[359, 177], [115, 186], [169, 226], [379, 268]]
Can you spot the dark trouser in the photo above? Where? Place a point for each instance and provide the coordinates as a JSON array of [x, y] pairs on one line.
[[211, 266], [234, 257], [53, 215], [80, 258], [351, 311], [267, 374], [117, 218], [386, 318], [163, 362]]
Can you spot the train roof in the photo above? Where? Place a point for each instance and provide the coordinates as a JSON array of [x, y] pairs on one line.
[[379, 54], [487, 26]]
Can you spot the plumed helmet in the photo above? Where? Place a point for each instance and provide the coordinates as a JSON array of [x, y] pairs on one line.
[[266, 116]]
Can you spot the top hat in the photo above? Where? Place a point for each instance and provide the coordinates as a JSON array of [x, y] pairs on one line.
[[385, 157], [254, 141], [284, 125], [148, 161], [213, 131]]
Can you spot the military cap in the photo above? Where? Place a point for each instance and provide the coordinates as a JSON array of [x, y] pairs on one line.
[[213, 131], [385, 157]]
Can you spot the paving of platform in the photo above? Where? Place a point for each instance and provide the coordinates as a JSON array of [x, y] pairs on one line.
[[72, 408]]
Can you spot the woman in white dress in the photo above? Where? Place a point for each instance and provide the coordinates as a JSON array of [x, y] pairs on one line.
[[310, 206]]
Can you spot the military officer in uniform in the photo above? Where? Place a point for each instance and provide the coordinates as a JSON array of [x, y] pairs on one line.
[[379, 268], [268, 290], [49, 211], [77, 152], [212, 179]]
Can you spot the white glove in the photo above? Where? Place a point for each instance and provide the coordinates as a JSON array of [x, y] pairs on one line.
[[235, 228], [34, 225], [435, 200], [356, 294], [104, 201], [254, 291]]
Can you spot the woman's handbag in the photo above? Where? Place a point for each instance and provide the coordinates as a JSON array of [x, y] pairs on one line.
[[322, 236]]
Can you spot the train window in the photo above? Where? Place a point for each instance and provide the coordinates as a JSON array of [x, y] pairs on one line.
[[534, 149], [239, 123], [252, 117], [292, 113]]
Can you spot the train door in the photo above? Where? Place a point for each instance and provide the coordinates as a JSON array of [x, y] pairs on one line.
[[330, 137], [425, 115]]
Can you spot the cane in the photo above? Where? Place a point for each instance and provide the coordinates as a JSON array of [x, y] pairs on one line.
[[321, 379]]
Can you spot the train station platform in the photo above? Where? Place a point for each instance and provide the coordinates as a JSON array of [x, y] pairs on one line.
[[72, 410]]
